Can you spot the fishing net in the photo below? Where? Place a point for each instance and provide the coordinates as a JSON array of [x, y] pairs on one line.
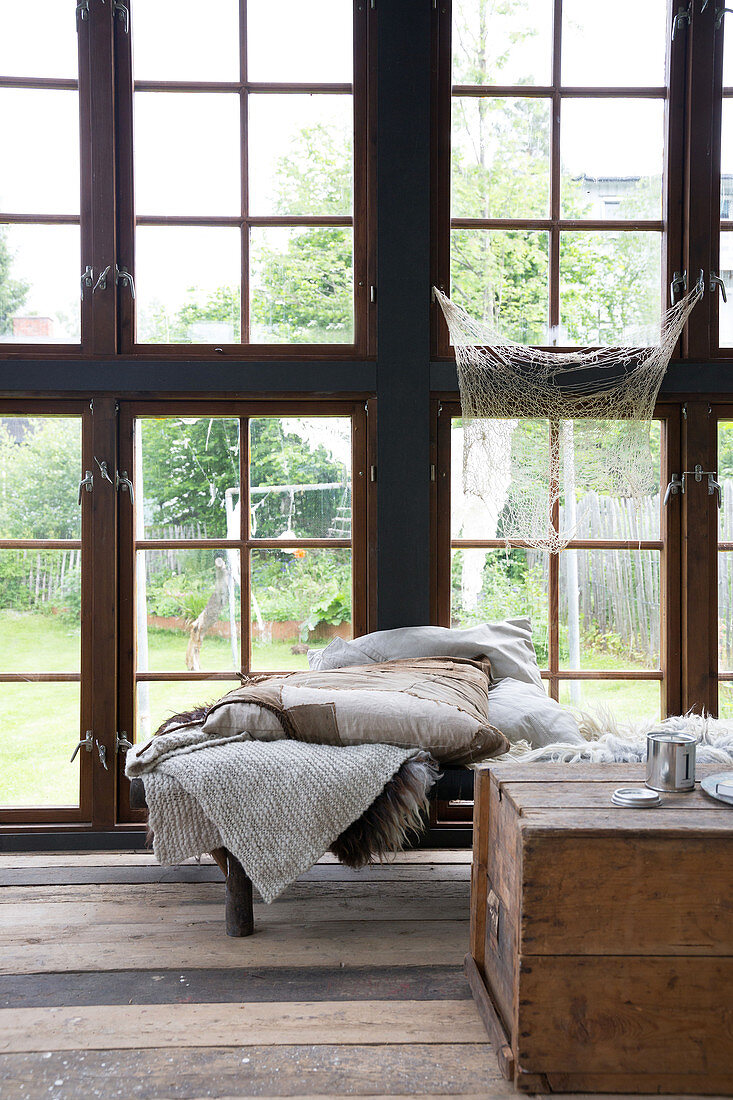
[[538, 425]]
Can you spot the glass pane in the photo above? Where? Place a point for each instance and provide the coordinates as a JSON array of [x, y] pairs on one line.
[[609, 609], [37, 39], [34, 506], [181, 40], [188, 285], [500, 158], [192, 599], [491, 585], [169, 180], [725, 477], [612, 154], [477, 513], [726, 162], [301, 154], [600, 512], [727, 54], [290, 41], [725, 699], [40, 169], [40, 610], [39, 729], [502, 276], [502, 43], [302, 285], [725, 610], [636, 701], [158, 701], [300, 477], [725, 311], [300, 598], [40, 294], [610, 289], [190, 475], [598, 47]]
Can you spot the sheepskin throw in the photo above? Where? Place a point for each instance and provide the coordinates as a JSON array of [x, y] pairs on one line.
[[609, 741], [276, 806]]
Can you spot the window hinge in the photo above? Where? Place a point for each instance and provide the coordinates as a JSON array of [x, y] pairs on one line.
[[122, 482], [372, 293], [122, 12], [432, 471], [681, 19], [372, 473], [82, 12], [122, 744]]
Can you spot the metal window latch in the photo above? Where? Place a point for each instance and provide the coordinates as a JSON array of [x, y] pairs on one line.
[[122, 743], [720, 16], [82, 12], [102, 750], [103, 471], [122, 12], [123, 482], [124, 278], [101, 283], [716, 281], [682, 17], [87, 280], [677, 484], [87, 743], [678, 286], [87, 482]]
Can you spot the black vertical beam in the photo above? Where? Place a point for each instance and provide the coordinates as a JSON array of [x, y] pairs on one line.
[[403, 303]]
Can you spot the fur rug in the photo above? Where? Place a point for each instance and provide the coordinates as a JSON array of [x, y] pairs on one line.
[[612, 741]]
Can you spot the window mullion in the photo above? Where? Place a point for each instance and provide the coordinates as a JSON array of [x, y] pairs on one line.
[[124, 203], [96, 86]]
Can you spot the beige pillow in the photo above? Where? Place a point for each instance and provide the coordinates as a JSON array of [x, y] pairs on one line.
[[438, 704]]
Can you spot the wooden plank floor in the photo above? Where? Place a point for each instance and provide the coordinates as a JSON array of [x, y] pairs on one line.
[[117, 981]]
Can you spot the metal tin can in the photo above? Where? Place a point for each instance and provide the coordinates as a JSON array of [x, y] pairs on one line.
[[670, 760]]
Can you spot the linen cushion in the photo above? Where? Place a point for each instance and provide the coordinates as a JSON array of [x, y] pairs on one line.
[[508, 645], [437, 704], [525, 712]]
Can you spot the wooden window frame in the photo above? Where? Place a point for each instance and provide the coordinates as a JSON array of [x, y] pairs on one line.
[[362, 555], [668, 545], [107, 218], [669, 225], [362, 219], [65, 815]]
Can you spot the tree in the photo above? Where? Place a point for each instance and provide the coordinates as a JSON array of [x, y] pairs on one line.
[[13, 292]]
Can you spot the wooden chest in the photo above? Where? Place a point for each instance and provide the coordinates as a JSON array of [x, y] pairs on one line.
[[602, 938]]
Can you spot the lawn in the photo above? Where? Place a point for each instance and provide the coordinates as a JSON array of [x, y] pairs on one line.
[[39, 723]]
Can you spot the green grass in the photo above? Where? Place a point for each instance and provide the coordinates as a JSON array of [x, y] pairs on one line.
[[39, 723]]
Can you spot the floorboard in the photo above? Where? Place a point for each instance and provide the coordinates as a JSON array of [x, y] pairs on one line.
[[117, 982]]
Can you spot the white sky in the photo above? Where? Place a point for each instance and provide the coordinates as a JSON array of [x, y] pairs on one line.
[[188, 145]]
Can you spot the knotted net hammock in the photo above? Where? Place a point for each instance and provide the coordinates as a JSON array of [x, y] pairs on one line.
[[546, 433]]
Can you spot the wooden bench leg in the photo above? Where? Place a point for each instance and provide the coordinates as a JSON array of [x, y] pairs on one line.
[[240, 919]]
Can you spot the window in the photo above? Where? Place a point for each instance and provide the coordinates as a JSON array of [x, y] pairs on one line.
[[238, 214], [44, 602], [557, 169], [40, 230], [222, 589], [596, 607]]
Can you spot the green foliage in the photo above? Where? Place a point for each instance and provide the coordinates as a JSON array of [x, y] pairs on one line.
[[13, 292], [40, 461], [309, 589]]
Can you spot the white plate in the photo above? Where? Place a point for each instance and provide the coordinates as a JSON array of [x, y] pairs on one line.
[[710, 784]]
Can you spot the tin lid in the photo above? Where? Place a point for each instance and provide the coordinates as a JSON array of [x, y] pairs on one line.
[[638, 798]]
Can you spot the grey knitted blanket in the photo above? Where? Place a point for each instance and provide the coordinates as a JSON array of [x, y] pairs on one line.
[[277, 806]]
